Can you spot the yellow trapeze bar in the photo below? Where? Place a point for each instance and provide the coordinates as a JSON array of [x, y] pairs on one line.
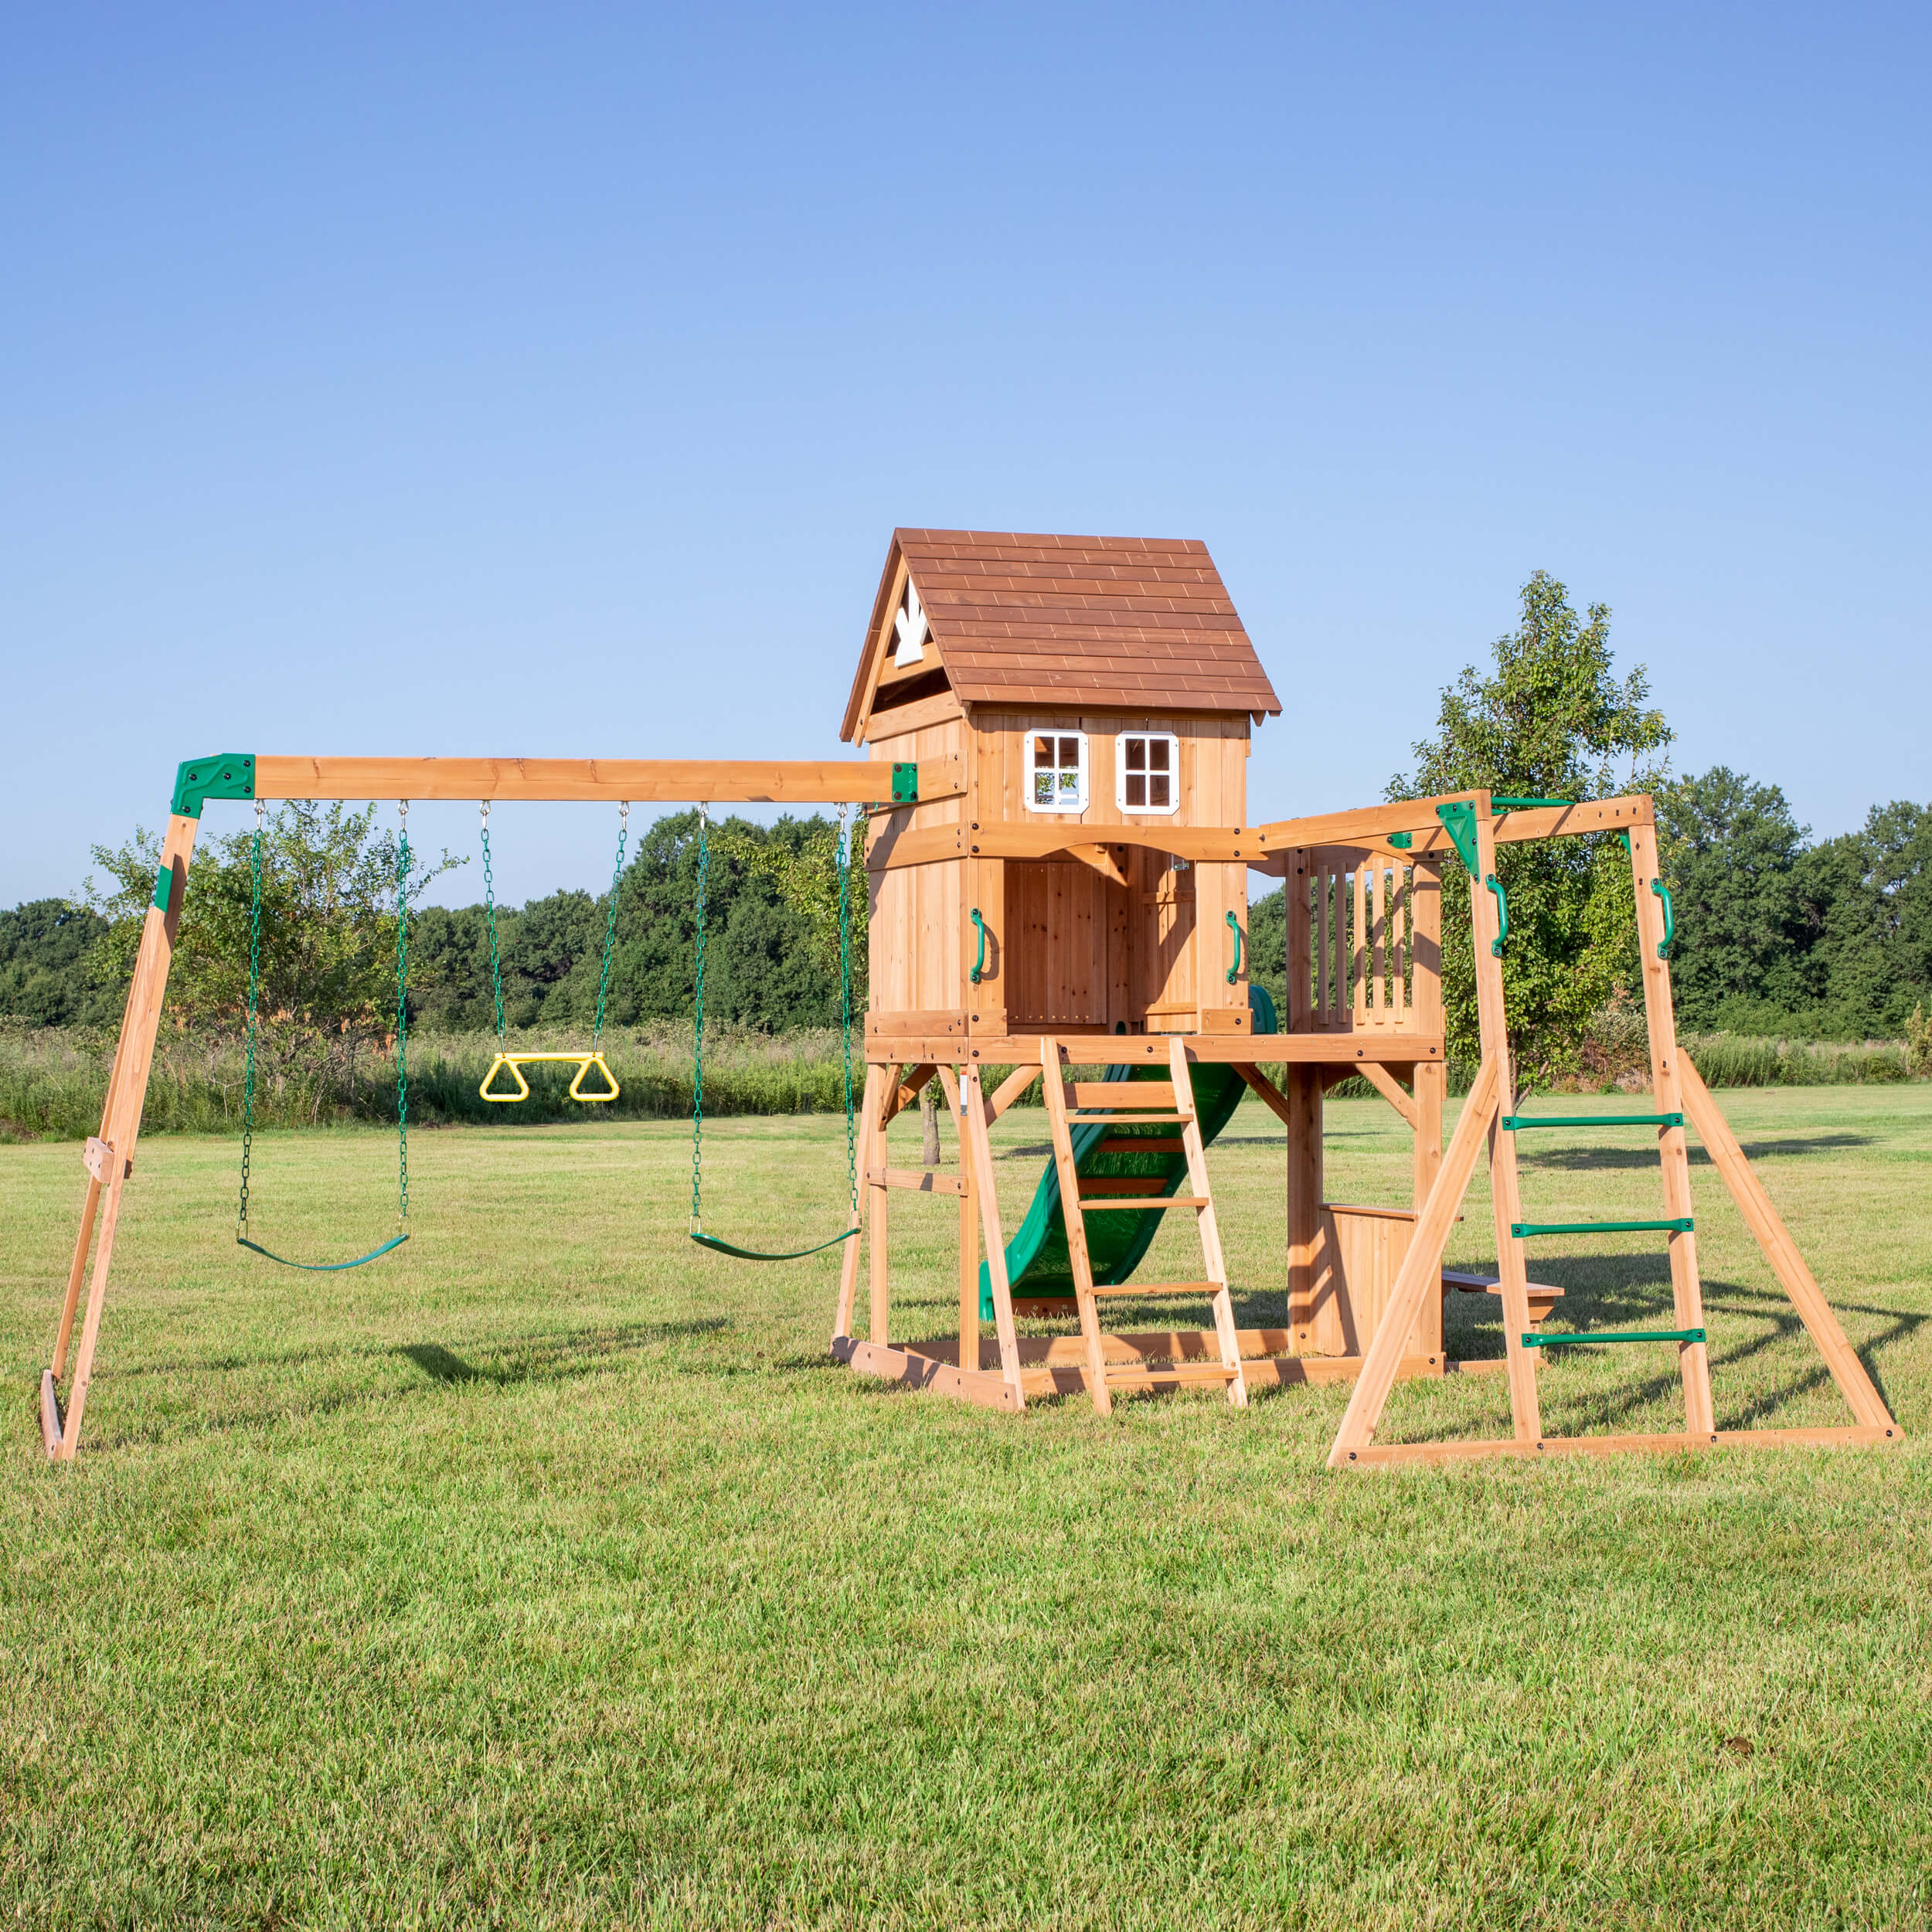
[[517, 1062]]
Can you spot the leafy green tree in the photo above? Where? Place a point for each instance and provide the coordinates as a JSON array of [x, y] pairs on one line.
[[1731, 852], [1865, 904], [1550, 720], [328, 933], [43, 945]]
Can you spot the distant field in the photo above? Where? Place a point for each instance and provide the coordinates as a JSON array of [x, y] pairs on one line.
[[547, 1572]]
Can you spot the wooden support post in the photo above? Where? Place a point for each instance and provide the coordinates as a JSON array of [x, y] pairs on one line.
[[849, 1267], [1053, 1089], [968, 1230], [1213, 1260], [1420, 1274], [977, 1117], [879, 1244], [1506, 1197], [1693, 1358], [120, 1128], [1782, 1251]]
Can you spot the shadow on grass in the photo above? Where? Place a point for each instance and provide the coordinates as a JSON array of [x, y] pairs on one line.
[[1583, 1160]]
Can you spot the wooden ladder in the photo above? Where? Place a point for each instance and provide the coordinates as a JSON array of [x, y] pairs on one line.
[[1139, 1102]]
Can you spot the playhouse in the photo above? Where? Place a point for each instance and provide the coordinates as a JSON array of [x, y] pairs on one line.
[[1056, 848]]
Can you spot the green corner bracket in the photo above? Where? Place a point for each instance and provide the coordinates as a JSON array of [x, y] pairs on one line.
[[1459, 819], [228, 774], [905, 783]]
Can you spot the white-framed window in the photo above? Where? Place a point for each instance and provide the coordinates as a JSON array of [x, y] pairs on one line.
[[1056, 770], [1147, 771]]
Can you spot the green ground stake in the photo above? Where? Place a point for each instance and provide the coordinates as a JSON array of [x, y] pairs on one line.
[[1522, 1229], [1593, 1340], [1514, 1123]]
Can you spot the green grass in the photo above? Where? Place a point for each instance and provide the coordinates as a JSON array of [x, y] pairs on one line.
[[547, 1572]]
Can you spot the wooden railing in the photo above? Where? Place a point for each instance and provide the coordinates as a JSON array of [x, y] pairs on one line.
[[1364, 951]]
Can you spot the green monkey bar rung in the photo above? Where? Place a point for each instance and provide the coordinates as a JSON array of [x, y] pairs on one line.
[[1514, 1123], [1593, 1340], [1526, 804], [1522, 1229]]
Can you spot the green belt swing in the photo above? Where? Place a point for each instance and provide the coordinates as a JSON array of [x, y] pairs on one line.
[[401, 1058], [696, 1230]]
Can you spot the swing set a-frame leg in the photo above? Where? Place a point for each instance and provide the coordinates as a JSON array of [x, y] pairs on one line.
[[111, 1156]]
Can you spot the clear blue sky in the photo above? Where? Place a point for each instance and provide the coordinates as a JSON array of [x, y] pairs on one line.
[[548, 380]]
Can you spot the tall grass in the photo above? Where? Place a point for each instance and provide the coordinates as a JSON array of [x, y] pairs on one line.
[[52, 1081]]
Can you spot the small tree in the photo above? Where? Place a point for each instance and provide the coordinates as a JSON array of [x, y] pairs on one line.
[[802, 862], [1550, 721], [328, 942]]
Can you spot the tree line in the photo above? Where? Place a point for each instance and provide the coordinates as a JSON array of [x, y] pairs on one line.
[[1777, 934]]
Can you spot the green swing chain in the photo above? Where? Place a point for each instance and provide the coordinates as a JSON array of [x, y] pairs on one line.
[[697, 1074], [610, 922], [254, 983], [489, 919], [403, 1018]]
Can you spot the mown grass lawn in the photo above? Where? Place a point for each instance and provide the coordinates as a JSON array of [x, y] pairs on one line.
[[547, 1572]]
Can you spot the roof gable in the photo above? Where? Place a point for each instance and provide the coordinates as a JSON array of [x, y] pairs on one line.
[[1144, 623]]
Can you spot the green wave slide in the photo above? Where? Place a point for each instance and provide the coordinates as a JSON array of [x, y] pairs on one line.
[[1037, 1262]]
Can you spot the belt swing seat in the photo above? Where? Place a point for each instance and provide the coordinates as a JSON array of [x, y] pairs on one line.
[[696, 1230], [516, 1062], [401, 1059]]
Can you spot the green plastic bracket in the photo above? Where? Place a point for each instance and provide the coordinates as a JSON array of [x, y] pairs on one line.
[[1522, 1229], [1402, 840], [164, 885], [1515, 1123], [905, 783], [1459, 820], [229, 775], [1592, 1341]]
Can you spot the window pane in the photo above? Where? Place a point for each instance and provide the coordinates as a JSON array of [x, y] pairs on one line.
[[1043, 755], [1158, 750], [1137, 788], [1160, 794], [1137, 754], [1070, 785], [1043, 787]]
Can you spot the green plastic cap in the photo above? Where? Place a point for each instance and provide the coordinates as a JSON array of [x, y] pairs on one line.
[[229, 775]]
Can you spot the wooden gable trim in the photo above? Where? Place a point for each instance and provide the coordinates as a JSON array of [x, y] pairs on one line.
[[874, 672]]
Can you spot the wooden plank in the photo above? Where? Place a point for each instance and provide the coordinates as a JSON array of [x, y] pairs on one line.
[[968, 1356], [1687, 1295], [1820, 1322], [1368, 827], [916, 1371], [1213, 1261], [848, 1265], [1100, 859], [1421, 1268], [1073, 1220], [1171, 1290], [1345, 1052], [759, 782], [879, 1241], [97, 1157], [913, 1181], [1392, 1090], [1119, 1093], [975, 1116], [1303, 1090], [1395, 1454], [1092, 1206], [50, 1417], [1265, 1090], [1200, 844]]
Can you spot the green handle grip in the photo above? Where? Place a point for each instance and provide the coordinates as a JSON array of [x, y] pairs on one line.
[[1670, 923], [1234, 927], [1503, 914], [979, 965]]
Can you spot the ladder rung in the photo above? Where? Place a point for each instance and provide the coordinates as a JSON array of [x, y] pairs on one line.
[[1129, 1119], [1141, 1204], [1095, 1184], [1142, 1143], [1515, 1123], [1161, 1287], [1522, 1229], [1591, 1340], [1140, 1378]]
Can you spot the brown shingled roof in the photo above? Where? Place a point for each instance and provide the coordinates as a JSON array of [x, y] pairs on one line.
[[1141, 622]]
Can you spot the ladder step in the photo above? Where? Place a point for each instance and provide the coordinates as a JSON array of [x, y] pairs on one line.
[[1139, 1378], [1161, 1287], [1515, 1123], [1144, 1203], [1111, 1119], [1142, 1143], [1095, 1184], [1592, 1341], [1522, 1229]]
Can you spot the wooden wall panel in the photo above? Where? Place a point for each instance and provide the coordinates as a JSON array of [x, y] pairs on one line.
[[914, 948]]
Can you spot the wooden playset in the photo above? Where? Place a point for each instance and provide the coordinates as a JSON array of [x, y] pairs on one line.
[[1057, 851]]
